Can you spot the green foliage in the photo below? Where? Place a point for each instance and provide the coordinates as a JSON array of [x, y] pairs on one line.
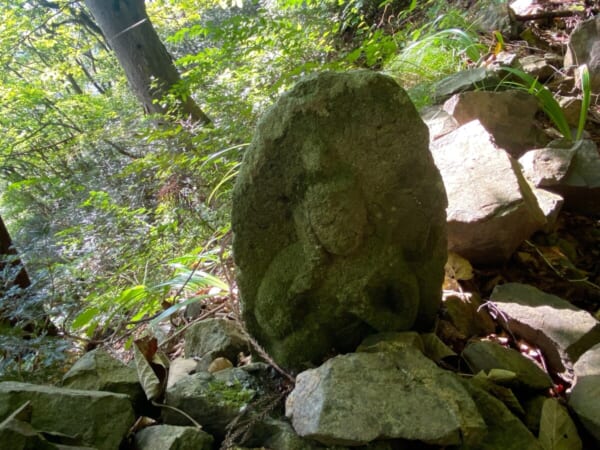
[[102, 201], [433, 50], [549, 104]]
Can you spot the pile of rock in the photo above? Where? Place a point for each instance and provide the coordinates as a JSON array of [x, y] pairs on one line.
[[341, 236]]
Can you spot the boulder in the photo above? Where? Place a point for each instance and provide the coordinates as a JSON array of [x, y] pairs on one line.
[[17, 434], [338, 219], [492, 208], [99, 371], [357, 398], [570, 169], [507, 115], [486, 356], [490, 15], [584, 48], [100, 419], [563, 331], [213, 338], [213, 400], [171, 437]]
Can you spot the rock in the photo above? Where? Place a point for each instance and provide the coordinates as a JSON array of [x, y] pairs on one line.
[[562, 331], [438, 121], [489, 16], [219, 364], [100, 419], [391, 341], [491, 206], [551, 205], [521, 8], [180, 368], [583, 48], [539, 67], [213, 400], [571, 170], [507, 115], [356, 398], [486, 355], [504, 430], [571, 107], [339, 219], [170, 437], [19, 435], [213, 338], [465, 80], [589, 363], [99, 371]]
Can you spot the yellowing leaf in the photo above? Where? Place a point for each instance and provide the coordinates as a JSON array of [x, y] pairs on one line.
[[557, 430], [458, 267], [152, 367]]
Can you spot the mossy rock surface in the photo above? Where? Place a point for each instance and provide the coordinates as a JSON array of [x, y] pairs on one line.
[[339, 219]]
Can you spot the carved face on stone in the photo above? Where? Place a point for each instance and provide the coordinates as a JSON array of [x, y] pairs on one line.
[[339, 219]]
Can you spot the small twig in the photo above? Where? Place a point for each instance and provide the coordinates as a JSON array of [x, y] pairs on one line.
[[555, 270], [183, 413]]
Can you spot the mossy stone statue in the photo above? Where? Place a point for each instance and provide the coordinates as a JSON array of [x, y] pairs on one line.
[[339, 219]]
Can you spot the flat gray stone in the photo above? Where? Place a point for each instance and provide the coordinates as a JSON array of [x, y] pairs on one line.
[[214, 338], [99, 371], [588, 363], [213, 400], [101, 419], [357, 398], [465, 80], [486, 355], [538, 66], [171, 437], [338, 219], [584, 48], [507, 115], [563, 331], [491, 207], [571, 170]]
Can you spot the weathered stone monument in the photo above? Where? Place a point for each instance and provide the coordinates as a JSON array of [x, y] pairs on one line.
[[339, 219]]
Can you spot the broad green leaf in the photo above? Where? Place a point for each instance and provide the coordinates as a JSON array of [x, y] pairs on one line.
[[557, 430], [85, 317]]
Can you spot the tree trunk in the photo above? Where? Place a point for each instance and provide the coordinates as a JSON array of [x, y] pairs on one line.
[[145, 60], [7, 252]]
